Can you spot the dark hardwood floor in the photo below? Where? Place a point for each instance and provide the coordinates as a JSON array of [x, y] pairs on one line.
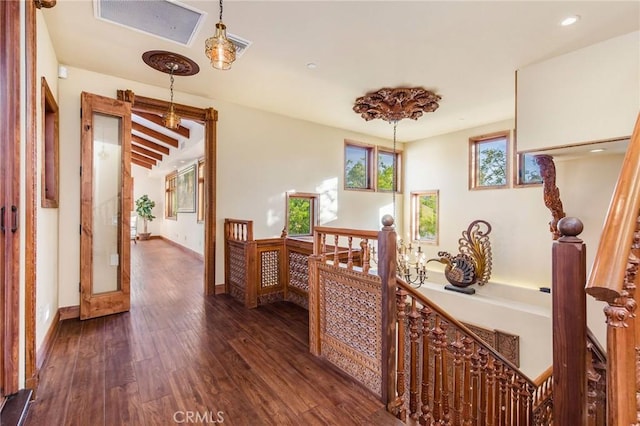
[[179, 357]]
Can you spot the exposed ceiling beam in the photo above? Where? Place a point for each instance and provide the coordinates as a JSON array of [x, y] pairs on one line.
[[182, 131], [147, 152], [152, 145], [142, 158], [155, 134], [141, 163]]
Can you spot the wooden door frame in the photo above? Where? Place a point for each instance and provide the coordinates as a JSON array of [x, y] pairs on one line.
[[208, 117]]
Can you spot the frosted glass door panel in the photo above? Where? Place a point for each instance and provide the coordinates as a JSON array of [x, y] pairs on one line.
[[107, 161]]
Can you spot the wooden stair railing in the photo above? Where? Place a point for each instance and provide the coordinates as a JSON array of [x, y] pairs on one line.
[[613, 280], [446, 375], [543, 398]]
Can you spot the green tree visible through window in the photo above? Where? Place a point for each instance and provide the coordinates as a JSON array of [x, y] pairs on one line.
[[427, 218], [385, 171], [530, 171], [357, 167], [492, 163], [300, 216]]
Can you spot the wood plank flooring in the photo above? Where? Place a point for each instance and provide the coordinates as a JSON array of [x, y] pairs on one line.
[[179, 357]]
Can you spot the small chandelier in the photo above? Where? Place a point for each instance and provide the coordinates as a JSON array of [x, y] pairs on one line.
[[170, 119], [219, 49]]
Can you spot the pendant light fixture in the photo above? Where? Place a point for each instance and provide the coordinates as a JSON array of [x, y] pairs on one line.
[[219, 49], [170, 119], [393, 105]]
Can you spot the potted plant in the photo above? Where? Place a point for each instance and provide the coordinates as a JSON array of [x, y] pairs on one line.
[[143, 207]]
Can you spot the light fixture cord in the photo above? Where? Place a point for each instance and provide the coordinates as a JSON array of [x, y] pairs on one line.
[[171, 87], [395, 171], [220, 10]]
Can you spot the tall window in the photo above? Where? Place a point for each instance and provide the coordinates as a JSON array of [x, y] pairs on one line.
[[489, 161], [170, 196], [301, 214], [200, 207], [424, 216], [358, 166], [388, 177]]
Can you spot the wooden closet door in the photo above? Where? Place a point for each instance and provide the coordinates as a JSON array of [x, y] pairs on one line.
[[9, 195]]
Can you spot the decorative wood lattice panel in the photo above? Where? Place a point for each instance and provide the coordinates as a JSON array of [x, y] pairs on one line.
[[507, 344], [351, 324], [269, 269], [237, 272], [299, 271]]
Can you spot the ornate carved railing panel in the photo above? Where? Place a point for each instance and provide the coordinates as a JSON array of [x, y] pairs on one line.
[[270, 265], [297, 281], [239, 261], [612, 280], [350, 323], [345, 305]]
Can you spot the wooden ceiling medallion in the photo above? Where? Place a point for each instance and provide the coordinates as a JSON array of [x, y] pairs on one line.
[[162, 60], [395, 104]]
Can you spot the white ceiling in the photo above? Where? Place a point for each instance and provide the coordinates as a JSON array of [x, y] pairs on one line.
[[466, 51]]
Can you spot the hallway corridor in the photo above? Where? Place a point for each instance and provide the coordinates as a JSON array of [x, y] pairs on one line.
[[180, 357]]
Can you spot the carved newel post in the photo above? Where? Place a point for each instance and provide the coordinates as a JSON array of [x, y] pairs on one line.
[[387, 239], [569, 325]]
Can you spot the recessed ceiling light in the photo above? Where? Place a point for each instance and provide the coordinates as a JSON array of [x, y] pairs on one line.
[[570, 20], [312, 65], [597, 150]]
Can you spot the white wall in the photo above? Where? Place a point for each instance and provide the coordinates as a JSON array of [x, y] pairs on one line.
[[520, 236], [587, 95], [260, 156], [152, 187], [184, 230], [47, 219]]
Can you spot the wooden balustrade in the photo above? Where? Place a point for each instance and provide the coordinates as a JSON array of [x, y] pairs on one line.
[[612, 280], [240, 274], [271, 269], [596, 382], [447, 375]]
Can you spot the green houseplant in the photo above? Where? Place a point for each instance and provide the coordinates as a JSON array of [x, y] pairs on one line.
[[144, 205]]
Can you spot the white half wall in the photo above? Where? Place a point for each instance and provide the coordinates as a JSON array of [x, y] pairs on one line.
[[587, 95]]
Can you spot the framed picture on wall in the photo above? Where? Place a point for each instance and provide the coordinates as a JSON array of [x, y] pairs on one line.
[[186, 188]]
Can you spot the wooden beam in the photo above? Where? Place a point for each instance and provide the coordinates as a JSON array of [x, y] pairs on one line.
[[152, 145], [143, 158], [141, 163], [144, 104], [147, 152], [154, 118], [155, 134]]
